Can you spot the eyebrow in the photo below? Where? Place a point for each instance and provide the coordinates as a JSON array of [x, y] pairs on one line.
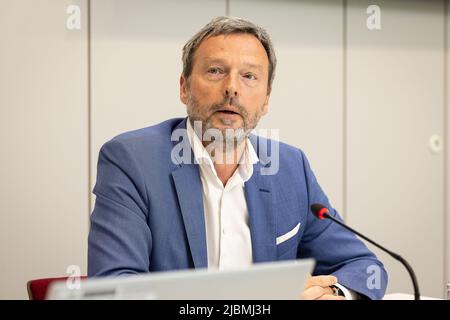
[[222, 61], [254, 65], [214, 60]]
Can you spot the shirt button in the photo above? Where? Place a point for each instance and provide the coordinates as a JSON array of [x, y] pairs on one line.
[[223, 231]]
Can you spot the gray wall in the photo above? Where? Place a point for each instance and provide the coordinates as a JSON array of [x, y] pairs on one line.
[[44, 143], [395, 103], [378, 95]]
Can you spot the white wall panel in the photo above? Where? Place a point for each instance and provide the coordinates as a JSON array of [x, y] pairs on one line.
[[447, 145], [395, 104], [44, 143]]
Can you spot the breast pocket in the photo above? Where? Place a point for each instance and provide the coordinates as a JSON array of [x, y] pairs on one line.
[[287, 241]]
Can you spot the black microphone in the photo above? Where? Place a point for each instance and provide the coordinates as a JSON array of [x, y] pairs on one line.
[[321, 212]]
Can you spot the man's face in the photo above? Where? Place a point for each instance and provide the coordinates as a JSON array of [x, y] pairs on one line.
[[228, 87]]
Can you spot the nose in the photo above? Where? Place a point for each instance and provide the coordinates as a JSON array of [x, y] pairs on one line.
[[231, 86], [231, 92]]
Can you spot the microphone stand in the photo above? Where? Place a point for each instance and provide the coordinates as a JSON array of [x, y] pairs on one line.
[[392, 254]]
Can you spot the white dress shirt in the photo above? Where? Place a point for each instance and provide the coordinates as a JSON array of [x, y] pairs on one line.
[[228, 238]]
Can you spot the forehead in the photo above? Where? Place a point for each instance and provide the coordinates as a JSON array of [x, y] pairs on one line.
[[241, 45]]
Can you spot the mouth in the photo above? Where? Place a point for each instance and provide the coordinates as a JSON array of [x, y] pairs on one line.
[[228, 111]]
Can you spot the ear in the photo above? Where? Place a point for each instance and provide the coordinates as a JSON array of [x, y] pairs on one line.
[[265, 107], [183, 90]]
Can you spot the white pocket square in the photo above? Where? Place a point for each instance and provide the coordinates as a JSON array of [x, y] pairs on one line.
[[288, 234]]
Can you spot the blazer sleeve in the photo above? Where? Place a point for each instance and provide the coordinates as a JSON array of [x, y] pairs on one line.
[[120, 240], [338, 251]]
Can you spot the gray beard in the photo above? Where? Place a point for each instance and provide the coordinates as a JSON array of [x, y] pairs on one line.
[[229, 139], [226, 140]]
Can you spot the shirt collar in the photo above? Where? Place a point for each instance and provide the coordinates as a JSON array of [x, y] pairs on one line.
[[203, 158]]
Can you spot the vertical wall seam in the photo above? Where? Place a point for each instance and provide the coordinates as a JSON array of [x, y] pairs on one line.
[[227, 8], [445, 154], [344, 109], [89, 97]]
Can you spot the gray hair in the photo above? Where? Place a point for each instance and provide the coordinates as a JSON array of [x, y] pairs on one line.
[[226, 25]]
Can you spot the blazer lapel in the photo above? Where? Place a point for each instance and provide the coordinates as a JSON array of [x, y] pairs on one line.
[[259, 196], [188, 186], [258, 192]]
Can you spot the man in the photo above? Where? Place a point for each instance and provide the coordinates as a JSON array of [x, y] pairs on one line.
[[221, 197]]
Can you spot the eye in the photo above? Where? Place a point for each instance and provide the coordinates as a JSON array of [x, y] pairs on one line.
[[250, 76], [214, 71]]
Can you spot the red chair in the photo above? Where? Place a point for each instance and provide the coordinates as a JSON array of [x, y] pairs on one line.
[[37, 289]]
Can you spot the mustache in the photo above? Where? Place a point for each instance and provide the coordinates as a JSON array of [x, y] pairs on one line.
[[232, 101]]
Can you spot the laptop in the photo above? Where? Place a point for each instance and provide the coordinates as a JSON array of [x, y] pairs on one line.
[[283, 280]]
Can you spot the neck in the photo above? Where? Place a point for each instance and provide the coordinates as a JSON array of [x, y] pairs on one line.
[[227, 162]]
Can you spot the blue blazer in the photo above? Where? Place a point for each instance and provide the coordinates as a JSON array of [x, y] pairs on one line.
[[148, 214]]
